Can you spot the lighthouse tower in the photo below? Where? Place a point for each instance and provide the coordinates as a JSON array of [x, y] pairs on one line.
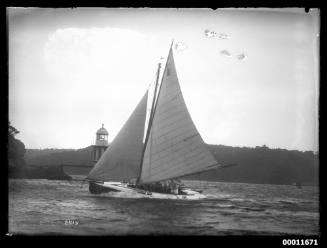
[[101, 143]]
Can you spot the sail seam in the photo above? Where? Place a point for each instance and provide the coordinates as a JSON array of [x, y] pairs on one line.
[[167, 147], [168, 108], [172, 134], [177, 113], [162, 146], [194, 162], [189, 173], [187, 160], [195, 172]]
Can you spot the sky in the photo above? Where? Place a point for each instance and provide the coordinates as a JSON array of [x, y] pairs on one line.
[[249, 77]]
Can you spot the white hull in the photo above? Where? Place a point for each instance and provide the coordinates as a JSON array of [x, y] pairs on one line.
[[123, 187]]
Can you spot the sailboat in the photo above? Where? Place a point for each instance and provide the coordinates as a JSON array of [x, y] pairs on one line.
[[149, 160]]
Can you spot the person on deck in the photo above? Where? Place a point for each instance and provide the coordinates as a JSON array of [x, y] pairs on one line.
[[166, 186], [175, 188], [172, 187]]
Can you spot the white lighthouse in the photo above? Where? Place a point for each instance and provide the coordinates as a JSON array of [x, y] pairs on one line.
[[101, 143]]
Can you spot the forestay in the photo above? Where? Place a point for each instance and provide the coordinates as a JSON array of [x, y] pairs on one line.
[[121, 160], [174, 148]]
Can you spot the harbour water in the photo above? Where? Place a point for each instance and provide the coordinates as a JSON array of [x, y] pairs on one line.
[[49, 207]]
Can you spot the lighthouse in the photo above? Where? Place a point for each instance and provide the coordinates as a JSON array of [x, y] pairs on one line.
[[101, 143]]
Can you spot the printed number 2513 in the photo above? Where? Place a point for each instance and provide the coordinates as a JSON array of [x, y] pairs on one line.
[[71, 222]]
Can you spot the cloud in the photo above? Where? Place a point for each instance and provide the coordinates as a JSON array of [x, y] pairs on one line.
[[209, 33], [241, 56], [180, 46], [223, 36], [225, 53]]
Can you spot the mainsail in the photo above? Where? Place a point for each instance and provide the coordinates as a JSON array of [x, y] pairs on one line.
[[121, 160], [174, 148]]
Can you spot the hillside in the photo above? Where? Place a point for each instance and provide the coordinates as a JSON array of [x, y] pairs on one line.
[[263, 165], [254, 165], [59, 156], [31, 153]]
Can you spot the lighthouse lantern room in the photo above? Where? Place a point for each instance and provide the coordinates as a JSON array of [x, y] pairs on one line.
[[101, 143]]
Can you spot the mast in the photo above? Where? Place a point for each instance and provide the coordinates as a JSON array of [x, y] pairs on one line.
[[153, 108], [150, 121]]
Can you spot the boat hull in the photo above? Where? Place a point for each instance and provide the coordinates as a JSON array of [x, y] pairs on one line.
[[96, 188], [188, 194]]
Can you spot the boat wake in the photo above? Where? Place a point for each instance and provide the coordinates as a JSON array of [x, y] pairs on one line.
[[137, 195], [133, 195]]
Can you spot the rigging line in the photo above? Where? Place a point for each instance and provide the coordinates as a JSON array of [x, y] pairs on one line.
[[153, 81]]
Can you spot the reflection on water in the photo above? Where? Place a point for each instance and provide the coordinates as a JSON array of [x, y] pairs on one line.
[[44, 207]]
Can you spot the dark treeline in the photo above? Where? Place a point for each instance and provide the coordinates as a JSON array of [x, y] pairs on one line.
[[263, 165], [59, 156], [17, 166], [16, 152], [254, 165], [30, 153]]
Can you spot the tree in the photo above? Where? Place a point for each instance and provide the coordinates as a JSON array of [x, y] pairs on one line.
[[16, 151], [11, 130]]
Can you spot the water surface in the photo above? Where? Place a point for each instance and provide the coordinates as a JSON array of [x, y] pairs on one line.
[[43, 206]]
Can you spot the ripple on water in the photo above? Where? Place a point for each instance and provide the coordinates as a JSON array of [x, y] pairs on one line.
[[231, 209]]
